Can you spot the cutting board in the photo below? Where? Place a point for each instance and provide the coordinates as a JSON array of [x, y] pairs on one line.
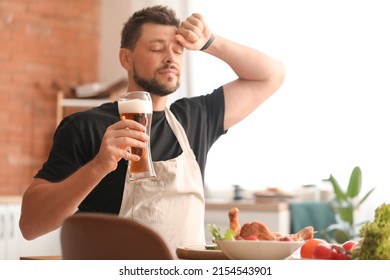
[[199, 252]]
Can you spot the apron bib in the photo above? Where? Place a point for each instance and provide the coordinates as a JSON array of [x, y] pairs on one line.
[[172, 203]]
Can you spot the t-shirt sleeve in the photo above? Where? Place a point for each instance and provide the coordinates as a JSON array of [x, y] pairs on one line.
[[64, 157], [214, 106], [202, 117], [76, 141]]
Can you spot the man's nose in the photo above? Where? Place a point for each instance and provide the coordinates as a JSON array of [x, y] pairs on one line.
[[170, 56]]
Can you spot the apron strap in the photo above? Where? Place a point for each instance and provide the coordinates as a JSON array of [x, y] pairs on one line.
[[179, 132]]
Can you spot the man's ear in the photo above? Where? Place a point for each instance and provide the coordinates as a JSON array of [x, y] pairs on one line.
[[125, 57]]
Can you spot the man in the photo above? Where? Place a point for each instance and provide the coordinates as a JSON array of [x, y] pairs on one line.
[[86, 168]]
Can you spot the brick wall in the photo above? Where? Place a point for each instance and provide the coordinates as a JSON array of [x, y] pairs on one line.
[[43, 44]]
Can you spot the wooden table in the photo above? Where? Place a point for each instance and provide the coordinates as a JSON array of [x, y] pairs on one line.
[[41, 258]]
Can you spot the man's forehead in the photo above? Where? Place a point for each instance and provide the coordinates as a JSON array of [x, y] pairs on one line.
[[152, 31]]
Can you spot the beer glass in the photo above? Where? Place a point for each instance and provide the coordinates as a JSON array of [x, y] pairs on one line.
[[137, 106]]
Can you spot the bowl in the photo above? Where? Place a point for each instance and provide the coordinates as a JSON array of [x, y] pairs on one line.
[[258, 249]]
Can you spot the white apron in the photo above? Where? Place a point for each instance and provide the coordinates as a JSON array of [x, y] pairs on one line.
[[173, 202]]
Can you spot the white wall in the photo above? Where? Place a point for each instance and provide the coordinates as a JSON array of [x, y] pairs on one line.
[[113, 16], [330, 115]]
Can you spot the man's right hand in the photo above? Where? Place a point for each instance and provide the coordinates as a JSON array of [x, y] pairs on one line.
[[116, 144]]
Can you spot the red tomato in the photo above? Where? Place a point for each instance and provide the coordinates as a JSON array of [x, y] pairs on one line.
[[239, 237], [251, 237], [324, 252], [348, 245], [308, 247], [342, 256], [285, 238], [338, 248]]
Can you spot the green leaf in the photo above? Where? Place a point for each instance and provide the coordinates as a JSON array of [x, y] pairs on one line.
[[346, 214], [340, 195], [355, 183], [215, 231], [333, 227], [364, 198], [341, 236], [229, 234]]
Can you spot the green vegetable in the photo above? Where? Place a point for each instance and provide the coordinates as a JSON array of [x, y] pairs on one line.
[[375, 237], [215, 231], [211, 247]]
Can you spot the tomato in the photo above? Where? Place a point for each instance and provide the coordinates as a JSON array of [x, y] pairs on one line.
[[348, 245], [338, 248], [239, 237], [341, 252], [308, 247], [251, 237], [285, 238], [342, 256], [324, 252]]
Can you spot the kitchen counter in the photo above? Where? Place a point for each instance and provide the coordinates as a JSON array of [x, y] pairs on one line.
[[245, 204], [10, 198]]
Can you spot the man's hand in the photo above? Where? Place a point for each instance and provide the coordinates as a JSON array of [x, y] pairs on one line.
[[193, 33], [116, 142]]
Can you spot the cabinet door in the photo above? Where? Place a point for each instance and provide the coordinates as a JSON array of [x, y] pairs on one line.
[[9, 231], [2, 231], [13, 234]]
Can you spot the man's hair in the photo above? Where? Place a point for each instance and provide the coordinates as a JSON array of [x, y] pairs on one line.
[[156, 14]]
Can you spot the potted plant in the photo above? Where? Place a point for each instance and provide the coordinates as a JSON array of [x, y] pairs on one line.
[[344, 205]]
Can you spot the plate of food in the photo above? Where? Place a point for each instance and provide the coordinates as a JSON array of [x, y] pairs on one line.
[[258, 249], [254, 241]]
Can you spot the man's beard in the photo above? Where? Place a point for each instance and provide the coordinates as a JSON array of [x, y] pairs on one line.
[[153, 85]]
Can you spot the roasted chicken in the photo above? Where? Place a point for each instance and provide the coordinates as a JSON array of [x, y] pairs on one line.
[[262, 232], [233, 218], [256, 229]]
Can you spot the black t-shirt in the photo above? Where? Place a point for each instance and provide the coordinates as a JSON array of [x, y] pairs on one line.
[[78, 137]]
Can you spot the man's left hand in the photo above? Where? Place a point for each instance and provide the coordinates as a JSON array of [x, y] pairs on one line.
[[193, 33]]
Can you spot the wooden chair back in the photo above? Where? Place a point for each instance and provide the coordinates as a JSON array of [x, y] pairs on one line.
[[93, 236]]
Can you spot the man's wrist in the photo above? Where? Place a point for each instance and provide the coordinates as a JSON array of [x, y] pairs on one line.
[[208, 43]]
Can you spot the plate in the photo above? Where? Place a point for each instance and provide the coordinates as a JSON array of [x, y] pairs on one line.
[[273, 193], [199, 252], [258, 249], [272, 197]]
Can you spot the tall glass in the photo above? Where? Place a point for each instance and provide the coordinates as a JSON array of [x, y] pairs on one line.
[[137, 106]]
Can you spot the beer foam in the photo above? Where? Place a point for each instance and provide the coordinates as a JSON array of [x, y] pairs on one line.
[[135, 106]]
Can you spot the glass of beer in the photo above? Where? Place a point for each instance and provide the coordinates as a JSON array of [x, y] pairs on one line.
[[137, 106]]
